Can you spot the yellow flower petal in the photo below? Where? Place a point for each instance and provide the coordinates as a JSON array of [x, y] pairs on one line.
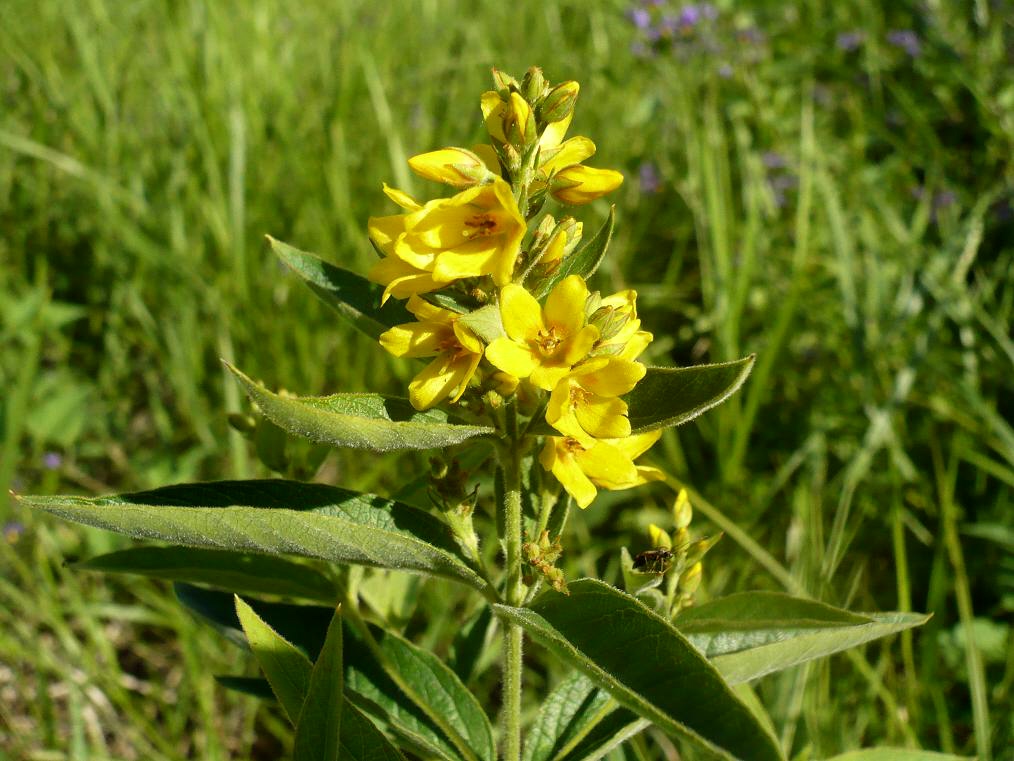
[[636, 445], [385, 230], [436, 382], [577, 348], [572, 151], [602, 417], [564, 466], [565, 305], [511, 357], [616, 378], [487, 153], [453, 166], [402, 279], [553, 134], [413, 339], [521, 313], [492, 110], [400, 197], [606, 465], [591, 184]]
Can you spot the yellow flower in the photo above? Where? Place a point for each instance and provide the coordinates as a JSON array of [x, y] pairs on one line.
[[476, 232], [437, 334], [606, 464], [543, 343], [457, 167], [578, 184], [619, 327], [585, 404]]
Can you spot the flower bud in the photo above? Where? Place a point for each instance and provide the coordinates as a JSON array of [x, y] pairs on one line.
[[682, 512], [690, 579], [504, 82], [457, 167], [559, 104], [578, 184], [698, 549], [533, 86], [659, 538], [518, 122], [609, 320]]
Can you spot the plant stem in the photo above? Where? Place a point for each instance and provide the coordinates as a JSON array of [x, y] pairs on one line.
[[514, 592]]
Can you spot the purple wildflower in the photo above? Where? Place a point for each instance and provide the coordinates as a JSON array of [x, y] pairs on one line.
[[689, 15], [773, 160], [640, 17], [52, 460], [850, 41], [905, 39], [648, 178]]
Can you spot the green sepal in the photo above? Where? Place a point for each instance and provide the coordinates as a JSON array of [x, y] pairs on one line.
[[360, 420]]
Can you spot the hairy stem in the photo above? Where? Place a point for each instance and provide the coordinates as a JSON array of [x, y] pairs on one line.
[[514, 591]]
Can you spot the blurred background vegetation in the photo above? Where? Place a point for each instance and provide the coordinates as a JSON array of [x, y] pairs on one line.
[[825, 184]]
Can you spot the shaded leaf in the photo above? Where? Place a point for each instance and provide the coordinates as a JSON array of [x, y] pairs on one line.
[[565, 717], [360, 421], [647, 666], [367, 685], [274, 516], [286, 668], [254, 686], [609, 734], [354, 297], [751, 634], [584, 261], [362, 741], [469, 643], [234, 571], [668, 396], [319, 726], [435, 688]]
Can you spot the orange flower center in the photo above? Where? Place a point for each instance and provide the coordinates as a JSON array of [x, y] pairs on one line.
[[578, 396], [572, 446], [480, 225], [549, 340]]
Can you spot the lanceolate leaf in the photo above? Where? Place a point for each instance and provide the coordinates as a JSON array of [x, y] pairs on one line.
[[439, 692], [235, 571], [286, 668], [354, 297], [360, 421], [647, 666], [609, 734], [367, 684], [668, 396], [362, 741], [277, 517], [584, 261], [319, 726], [751, 634], [570, 712]]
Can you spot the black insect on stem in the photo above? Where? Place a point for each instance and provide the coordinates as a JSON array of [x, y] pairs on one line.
[[655, 561]]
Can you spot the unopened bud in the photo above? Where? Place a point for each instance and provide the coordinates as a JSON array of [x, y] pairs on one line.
[[609, 321], [690, 579], [682, 511], [559, 103], [659, 538], [503, 81], [518, 122], [533, 85], [457, 167]]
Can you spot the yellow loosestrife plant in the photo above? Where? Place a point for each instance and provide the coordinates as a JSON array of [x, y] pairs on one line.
[[528, 374]]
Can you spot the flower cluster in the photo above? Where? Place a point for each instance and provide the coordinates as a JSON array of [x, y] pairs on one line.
[[502, 321]]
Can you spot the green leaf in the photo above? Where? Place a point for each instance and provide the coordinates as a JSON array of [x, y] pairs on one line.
[[234, 571], [277, 517], [362, 741], [354, 297], [647, 666], [572, 710], [897, 754], [668, 396], [248, 685], [469, 643], [584, 261], [609, 734], [360, 421], [318, 730], [367, 684], [435, 688], [286, 668], [751, 634]]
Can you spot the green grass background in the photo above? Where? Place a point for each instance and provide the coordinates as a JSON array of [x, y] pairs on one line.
[[844, 214]]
